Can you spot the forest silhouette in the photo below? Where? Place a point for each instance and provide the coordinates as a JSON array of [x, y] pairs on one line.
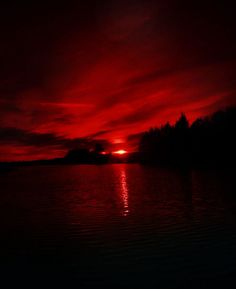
[[207, 141]]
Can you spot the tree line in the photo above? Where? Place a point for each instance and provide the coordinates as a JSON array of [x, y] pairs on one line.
[[207, 141]]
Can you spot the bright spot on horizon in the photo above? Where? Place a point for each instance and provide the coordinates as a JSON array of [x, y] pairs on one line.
[[120, 152], [118, 141]]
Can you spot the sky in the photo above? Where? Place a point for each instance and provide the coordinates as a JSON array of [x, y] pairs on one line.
[[108, 70]]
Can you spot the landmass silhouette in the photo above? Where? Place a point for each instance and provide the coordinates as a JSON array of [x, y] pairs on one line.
[[208, 141]]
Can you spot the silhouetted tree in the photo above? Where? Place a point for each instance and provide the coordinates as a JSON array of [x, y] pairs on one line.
[[80, 155], [182, 123], [209, 140], [98, 148], [89, 155]]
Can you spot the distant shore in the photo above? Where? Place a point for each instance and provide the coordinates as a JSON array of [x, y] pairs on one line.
[[207, 142]]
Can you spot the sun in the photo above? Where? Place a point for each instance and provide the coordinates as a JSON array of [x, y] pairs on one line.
[[120, 152]]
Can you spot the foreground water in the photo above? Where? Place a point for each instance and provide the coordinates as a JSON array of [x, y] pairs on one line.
[[118, 226]]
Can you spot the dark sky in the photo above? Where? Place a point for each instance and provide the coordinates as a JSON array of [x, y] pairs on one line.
[[109, 69]]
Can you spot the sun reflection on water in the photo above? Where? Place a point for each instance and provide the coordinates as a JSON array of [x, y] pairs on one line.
[[124, 192]]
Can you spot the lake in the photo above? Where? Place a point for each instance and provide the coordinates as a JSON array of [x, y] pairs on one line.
[[118, 226]]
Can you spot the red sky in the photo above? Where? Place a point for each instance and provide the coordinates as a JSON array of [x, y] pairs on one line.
[[109, 70]]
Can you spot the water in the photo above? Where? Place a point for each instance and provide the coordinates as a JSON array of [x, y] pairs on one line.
[[118, 226]]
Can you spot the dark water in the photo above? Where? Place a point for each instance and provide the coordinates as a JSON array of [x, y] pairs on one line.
[[118, 226]]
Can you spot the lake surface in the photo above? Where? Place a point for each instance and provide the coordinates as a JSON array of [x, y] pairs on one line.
[[118, 226]]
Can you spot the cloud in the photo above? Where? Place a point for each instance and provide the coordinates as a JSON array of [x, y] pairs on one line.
[[82, 70], [100, 133], [6, 107], [141, 114], [11, 135], [19, 141], [151, 76]]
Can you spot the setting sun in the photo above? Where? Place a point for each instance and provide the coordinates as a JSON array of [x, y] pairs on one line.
[[120, 152]]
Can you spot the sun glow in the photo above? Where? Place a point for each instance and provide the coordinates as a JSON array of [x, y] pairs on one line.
[[120, 152]]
